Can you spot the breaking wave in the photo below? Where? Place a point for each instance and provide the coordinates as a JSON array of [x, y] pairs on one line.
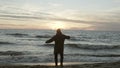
[[6, 43], [11, 53], [42, 36], [86, 46], [94, 55], [18, 34], [93, 47]]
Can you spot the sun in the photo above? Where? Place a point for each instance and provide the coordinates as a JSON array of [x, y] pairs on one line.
[[56, 25]]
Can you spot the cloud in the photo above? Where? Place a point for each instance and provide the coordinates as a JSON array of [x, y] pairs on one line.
[[105, 20], [10, 13], [2, 18], [20, 17], [28, 15], [11, 24]]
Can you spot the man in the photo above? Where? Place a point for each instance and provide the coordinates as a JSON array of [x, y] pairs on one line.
[[59, 39]]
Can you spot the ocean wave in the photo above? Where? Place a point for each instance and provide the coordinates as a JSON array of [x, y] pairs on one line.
[[42, 36], [47, 45], [93, 47], [11, 53], [18, 34], [6, 43], [29, 39], [94, 55], [86, 46], [80, 38]]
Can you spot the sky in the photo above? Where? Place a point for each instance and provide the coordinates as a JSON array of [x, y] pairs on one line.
[[66, 14]]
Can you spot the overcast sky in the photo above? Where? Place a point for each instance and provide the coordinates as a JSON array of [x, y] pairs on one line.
[[74, 14]]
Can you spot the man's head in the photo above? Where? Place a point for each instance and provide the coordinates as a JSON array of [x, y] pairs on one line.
[[59, 31]]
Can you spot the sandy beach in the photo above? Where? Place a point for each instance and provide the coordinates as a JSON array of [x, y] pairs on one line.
[[70, 65]]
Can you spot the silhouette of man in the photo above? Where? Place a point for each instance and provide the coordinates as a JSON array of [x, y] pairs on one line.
[[59, 39]]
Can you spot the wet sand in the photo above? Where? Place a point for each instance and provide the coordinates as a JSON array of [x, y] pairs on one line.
[[66, 65]]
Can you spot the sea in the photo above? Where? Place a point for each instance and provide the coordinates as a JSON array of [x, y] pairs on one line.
[[28, 46]]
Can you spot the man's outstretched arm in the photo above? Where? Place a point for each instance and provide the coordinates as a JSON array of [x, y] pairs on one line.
[[67, 37], [50, 40]]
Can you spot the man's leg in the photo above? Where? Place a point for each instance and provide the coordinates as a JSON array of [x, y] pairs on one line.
[[56, 59], [61, 59]]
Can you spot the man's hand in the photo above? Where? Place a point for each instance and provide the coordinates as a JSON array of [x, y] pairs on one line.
[[47, 41]]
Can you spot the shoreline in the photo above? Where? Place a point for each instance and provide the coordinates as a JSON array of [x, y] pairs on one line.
[[66, 65], [53, 64]]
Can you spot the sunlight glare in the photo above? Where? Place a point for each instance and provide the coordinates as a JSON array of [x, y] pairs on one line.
[[57, 25]]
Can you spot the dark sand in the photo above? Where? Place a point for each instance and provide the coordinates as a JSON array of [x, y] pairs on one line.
[[70, 65]]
